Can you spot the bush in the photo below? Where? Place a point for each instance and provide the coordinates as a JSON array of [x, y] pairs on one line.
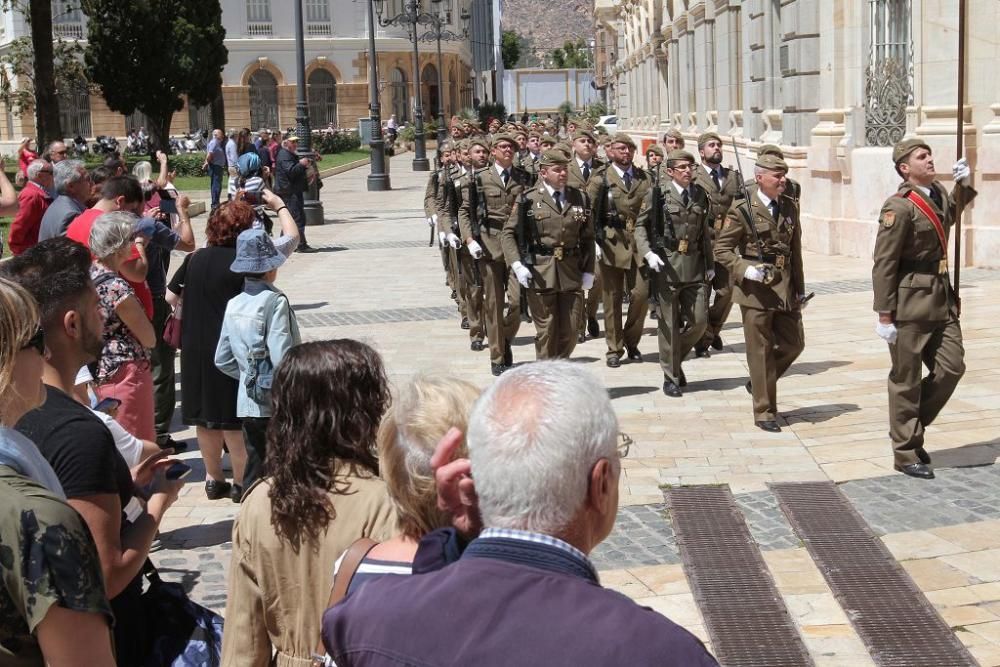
[[185, 164], [492, 110], [326, 143]]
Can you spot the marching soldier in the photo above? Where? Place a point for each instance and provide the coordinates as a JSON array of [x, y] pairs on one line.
[[488, 196], [447, 226], [677, 246], [916, 305], [794, 190], [761, 246], [583, 164], [673, 140], [432, 195], [548, 242], [478, 158], [616, 195], [654, 160], [722, 188]]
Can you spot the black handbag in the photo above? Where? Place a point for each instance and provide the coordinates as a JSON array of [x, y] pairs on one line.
[[184, 634]]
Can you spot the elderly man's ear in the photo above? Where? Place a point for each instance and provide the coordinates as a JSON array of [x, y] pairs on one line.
[[602, 494]]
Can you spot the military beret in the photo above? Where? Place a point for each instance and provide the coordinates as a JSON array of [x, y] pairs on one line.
[[623, 138], [675, 133], [551, 157], [656, 149], [706, 137], [770, 149], [519, 130], [462, 144], [548, 139], [565, 148], [534, 134], [771, 162], [503, 136], [582, 132], [479, 140], [447, 146], [905, 147], [677, 155]]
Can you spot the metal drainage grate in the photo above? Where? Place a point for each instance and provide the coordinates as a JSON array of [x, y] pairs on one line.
[[352, 317], [746, 618], [890, 614]]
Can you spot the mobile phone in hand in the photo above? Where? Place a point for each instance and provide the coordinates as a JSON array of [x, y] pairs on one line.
[[178, 470], [108, 405]]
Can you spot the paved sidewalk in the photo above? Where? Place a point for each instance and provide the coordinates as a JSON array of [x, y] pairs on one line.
[[376, 280]]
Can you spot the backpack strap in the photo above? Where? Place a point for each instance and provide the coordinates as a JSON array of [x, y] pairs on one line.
[[341, 582]]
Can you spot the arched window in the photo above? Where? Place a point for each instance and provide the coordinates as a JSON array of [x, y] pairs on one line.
[[263, 100], [400, 107], [429, 81], [322, 93], [74, 111]]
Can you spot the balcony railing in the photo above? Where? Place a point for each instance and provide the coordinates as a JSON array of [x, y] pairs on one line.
[[259, 29], [319, 30], [68, 30]]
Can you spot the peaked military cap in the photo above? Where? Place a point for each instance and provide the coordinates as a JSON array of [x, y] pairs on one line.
[[582, 132], [706, 137], [905, 147], [503, 136], [623, 138], [548, 139], [771, 162], [770, 149], [479, 140], [553, 156], [677, 155]]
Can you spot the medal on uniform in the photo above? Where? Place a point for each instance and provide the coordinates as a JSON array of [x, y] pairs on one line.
[[779, 262], [682, 246], [557, 252]]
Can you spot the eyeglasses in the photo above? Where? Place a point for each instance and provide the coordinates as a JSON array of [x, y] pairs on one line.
[[37, 341], [624, 444], [687, 166]]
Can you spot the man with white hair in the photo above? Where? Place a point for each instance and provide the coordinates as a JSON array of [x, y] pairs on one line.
[[33, 201], [72, 185], [544, 448]]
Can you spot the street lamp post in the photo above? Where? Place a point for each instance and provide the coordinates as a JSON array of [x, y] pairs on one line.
[[313, 207], [410, 17], [438, 32], [378, 179]]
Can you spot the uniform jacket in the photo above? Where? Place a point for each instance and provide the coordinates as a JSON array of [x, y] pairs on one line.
[[446, 221], [618, 247], [568, 232], [907, 254], [721, 199], [431, 193], [736, 249], [691, 224], [500, 201], [574, 178]]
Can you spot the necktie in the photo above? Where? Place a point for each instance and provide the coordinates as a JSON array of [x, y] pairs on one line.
[[586, 171], [686, 198], [628, 180], [558, 197], [505, 176], [936, 198], [774, 210], [717, 178]]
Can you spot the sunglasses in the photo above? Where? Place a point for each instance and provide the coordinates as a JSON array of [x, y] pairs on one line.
[[37, 341]]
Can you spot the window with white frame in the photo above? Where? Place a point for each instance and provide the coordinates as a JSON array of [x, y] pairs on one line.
[[889, 74]]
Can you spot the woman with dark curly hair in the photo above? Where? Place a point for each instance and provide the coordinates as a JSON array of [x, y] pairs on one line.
[[208, 397], [322, 494]]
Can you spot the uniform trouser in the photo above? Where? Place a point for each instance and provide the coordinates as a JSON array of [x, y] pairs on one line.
[[590, 302], [682, 321], [774, 339], [457, 280], [499, 329], [914, 402], [555, 315], [162, 358], [718, 312], [612, 288], [449, 278], [473, 294]]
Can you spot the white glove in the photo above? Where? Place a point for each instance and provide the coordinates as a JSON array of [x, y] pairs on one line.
[[654, 261], [475, 249], [588, 281], [454, 241], [886, 332], [753, 273], [522, 273], [442, 237], [960, 170], [597, 249], [710, 274]]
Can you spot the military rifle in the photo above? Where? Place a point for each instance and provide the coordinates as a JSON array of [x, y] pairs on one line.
[[766, 269], [435, 181], [525, 242], [477, 213]]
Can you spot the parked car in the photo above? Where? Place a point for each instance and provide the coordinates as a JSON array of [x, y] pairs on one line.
[[609, 123]]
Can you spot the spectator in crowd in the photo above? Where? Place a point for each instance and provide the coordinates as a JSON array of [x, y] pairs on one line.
[[116, 164], [244, 146], [96, 479], [33, 200], [232, 156], [290, 185], [261, 139], [134, 450], [322, 493], [123, 369], [274, 147], [72, 186], [264, 152], [258, 329], [215, 163], [543, 446], [56, 152], [98, 177], [51, 591], [26, 154], [244, 142]]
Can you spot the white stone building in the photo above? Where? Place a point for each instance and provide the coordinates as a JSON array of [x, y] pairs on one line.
[[834, 82]]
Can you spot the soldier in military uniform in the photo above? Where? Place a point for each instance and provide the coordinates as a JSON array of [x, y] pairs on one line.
[[471, 275], [916, 305], [432, 194], [552, 255], [769, 283], [447, 225], [793, 189], [616, 195], [654, 160], [497, 189], [673, 140], [722, 188], [677, 247], [582, 165]]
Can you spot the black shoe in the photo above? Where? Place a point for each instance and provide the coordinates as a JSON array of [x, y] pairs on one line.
[[454, 295], [701, 351], [654, 313], [166, 442], [671, 389], [592, 329], [476, 346], [924, 457], [236, 495], [305, 247], [633, 352], [508, 355], [682, 380], [497, 369], [465, 323], [614, 362], [717, 343], [214, 489], [918, 470], [769, 425], [749, 387], [581, 338]]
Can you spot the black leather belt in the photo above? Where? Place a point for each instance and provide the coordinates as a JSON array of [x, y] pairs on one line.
[[930, 266], [558, 251], [777, 260]]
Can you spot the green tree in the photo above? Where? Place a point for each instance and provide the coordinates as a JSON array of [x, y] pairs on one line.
[[510, 49], [572, 55], [147, 54]]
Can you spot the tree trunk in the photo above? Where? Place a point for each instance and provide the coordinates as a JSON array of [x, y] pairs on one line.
[[159, 131], [47, 125]]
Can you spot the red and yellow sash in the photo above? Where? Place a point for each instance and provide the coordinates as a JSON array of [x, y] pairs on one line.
[[929, 213]]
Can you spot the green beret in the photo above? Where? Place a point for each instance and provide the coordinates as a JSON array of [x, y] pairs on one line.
[[548, 139], [905, 147], [677, 155], [706, 137], [582, 132], [462, 144], [519, 130], [447, 146], [623, 138], [503, 136], [479, 140], [771, 162], [551, 157], [675, 133], [656, 149], [770, 149]]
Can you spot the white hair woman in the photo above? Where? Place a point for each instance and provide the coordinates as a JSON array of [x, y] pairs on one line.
[[123, 369]]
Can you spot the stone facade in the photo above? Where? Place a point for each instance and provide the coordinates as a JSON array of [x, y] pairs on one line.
[[817, 78]]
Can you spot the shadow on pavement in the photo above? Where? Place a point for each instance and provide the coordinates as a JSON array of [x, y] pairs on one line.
[[815, 414], [814, 367], [310, 306], [201, 535], [622, 392], [716, 384], [968, 456]]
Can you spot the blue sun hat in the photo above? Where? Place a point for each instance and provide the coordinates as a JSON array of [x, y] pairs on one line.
[[255, 253], [248, 165]]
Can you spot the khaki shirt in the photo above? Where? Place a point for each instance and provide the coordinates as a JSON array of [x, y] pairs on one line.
[[689, 256], [499, 200], [618, 246], [721, 199]]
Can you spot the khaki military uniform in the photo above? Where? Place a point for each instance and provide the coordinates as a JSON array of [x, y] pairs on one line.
[[575, 179], [619, 261], [772, 316], [499, 201], [447, 224], [681, 284], [529, 163], [721, 198], [432, 197], [469, 273], [910, 279], [561, 248]]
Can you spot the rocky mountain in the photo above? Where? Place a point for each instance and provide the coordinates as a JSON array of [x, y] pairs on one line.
[[545, 26]]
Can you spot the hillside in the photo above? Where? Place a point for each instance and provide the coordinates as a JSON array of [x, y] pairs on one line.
[[545, 26]]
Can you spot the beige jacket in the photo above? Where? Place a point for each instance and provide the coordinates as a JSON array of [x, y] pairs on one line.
[[277, 597]]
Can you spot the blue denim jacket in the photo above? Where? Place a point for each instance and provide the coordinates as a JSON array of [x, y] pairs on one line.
[[243, 330]]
